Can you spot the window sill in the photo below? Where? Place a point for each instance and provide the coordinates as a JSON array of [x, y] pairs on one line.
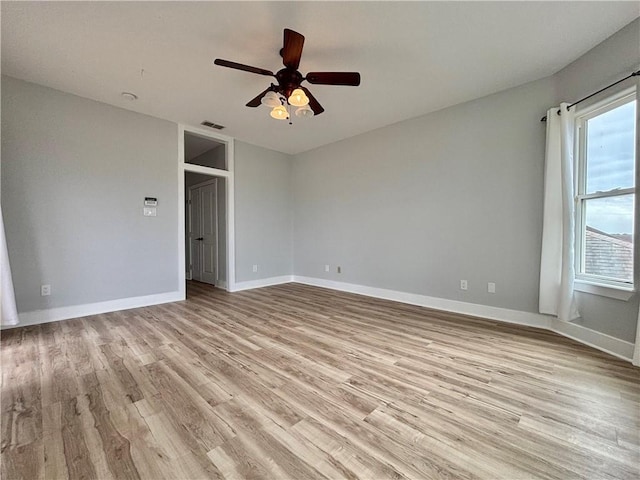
[[619, 293]]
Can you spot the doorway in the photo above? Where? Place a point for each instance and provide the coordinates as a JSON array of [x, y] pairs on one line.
[[206, 192], [202, 234]]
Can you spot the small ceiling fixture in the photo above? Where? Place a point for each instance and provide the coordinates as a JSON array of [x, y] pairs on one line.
[[288, 91], [129, 96]]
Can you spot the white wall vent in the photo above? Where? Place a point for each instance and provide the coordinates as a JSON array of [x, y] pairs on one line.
[[209, 124]]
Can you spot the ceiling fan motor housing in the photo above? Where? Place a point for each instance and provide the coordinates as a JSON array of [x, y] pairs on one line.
[[288, 81]]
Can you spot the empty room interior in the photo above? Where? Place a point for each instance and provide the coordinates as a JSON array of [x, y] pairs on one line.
[[320, 240]]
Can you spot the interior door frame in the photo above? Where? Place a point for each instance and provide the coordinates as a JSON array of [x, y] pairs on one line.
[[212, 181], [228, 176]]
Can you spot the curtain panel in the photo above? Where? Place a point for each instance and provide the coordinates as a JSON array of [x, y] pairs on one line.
[[557, 270], [8, 311]]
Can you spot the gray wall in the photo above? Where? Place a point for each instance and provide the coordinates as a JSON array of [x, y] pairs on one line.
[[453, 195], [264, 218], [74, 176], [420, 205], [214, 158], [604, 64], [608, 62]]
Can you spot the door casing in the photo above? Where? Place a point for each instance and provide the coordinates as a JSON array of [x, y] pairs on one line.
[[229, 281]]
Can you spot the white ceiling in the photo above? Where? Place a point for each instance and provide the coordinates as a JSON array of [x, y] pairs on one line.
[[414, 57]]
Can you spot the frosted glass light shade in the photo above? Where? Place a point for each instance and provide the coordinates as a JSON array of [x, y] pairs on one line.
[[280, 113], [298, 98], [271, 99], [305, 112]]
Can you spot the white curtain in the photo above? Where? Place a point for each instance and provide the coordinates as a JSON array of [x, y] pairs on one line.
[[8, 312], [558, 231]]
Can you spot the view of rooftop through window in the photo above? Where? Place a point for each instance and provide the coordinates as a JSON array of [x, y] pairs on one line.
[[610, 167]]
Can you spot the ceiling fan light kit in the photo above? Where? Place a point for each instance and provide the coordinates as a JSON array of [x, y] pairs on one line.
[[304, 112], [298, 98], [271, 99], [289, 90], [280, 113]]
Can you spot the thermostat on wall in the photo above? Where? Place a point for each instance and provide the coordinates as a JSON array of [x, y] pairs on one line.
[[150, 202]]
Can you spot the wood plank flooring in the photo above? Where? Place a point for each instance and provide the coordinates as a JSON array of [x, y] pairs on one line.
[[297, 382]]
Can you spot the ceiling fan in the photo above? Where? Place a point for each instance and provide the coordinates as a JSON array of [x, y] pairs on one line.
[[288, 90]]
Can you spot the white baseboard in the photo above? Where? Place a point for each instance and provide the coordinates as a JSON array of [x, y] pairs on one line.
[[606, 343], [603, 342], [75, 311], [484, 311], [261, 282]]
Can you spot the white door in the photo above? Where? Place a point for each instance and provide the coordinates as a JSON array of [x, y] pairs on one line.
[[203, 232], [209, 233]]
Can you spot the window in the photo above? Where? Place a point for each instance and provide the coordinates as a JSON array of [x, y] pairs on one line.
[[605, 186]]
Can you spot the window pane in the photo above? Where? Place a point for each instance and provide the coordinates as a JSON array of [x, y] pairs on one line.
[[611, 149], [609, 237]]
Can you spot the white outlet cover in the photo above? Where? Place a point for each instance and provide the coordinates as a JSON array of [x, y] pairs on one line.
[[327, 268], [150, 212], [491, 287], [464, 285], [255, 268], [45, 290]]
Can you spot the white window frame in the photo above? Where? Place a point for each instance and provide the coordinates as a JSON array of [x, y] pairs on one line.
[[589, 282]]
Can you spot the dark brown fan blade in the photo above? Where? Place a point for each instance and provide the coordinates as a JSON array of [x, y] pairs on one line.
[[239, 66], [313, 103], [256, 101], [334, 78], [292, 49]]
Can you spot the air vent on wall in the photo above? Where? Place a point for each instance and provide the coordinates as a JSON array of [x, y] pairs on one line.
[[209, 124]]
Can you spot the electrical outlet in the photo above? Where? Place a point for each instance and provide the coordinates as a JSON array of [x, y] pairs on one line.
[[45, 290], [491, 287], [327, 268], [339, 269], [255, 268], [463, 285]]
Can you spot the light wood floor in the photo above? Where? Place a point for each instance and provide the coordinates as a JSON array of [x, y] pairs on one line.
[[297, 382]]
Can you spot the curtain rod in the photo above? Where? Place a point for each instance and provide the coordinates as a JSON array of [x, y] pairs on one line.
[[633, 74]]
